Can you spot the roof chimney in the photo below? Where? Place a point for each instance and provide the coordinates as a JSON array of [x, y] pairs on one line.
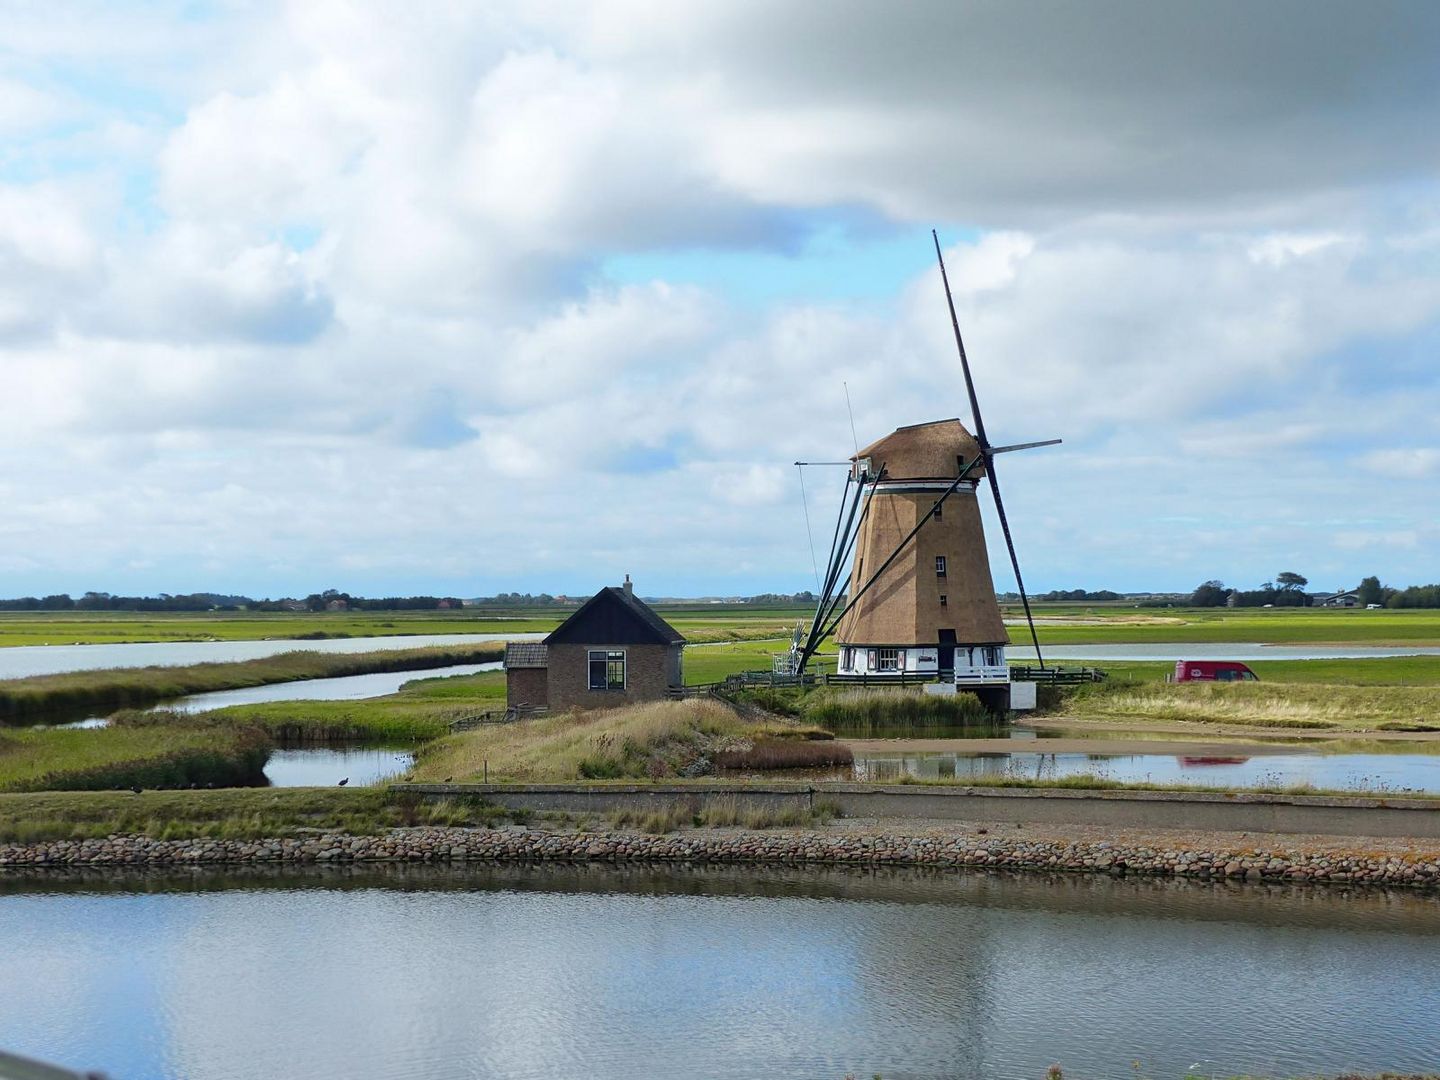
[[629, 589]]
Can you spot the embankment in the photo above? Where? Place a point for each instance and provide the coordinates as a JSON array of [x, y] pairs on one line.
[[1121, 808], [1265, 862], [25, 700]]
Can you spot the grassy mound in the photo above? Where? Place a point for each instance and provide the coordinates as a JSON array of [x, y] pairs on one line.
[[655, 740]]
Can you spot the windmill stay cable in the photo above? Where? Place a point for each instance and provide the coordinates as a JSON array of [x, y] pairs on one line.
[[805, 503]]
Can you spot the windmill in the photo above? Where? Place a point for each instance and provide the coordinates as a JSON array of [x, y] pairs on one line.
[[909, 558]]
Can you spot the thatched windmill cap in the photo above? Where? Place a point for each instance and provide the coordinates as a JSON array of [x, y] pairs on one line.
[[924, 452]]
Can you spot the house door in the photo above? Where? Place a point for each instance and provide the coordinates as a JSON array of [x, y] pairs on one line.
[[947, 651]]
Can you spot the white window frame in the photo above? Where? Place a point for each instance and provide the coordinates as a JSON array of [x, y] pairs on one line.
[[889, 660], [940, 566]]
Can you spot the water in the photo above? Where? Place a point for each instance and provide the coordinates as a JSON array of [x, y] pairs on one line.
[[342, 688], [327, 766], [25, 660], [345, 688], [1377, 772], [620, 974]]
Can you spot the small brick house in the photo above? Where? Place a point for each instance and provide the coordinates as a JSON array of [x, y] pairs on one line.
[[613, 651]]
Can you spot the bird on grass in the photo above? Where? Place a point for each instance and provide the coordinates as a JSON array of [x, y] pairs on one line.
[[343, 782], [137, 790]]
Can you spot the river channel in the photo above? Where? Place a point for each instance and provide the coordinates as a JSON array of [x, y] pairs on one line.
[[614, 973], [23, 661]]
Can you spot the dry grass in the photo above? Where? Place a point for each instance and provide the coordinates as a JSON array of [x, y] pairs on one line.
[[1289, 705], [654, 740]]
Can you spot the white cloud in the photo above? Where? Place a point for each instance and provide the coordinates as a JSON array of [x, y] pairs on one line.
[[1413, 463], [327, 294]]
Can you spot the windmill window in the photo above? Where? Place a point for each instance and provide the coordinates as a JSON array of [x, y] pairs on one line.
[[607, 669], [889, 659], [939, 565], [939, 511], [942, 599]]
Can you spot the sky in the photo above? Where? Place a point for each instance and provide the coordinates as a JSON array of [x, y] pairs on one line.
[[467, 298]]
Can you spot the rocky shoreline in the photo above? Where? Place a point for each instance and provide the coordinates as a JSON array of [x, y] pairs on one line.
[[1269, 861]]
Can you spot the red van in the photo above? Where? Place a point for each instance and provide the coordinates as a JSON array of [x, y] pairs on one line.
[[1212, 671]]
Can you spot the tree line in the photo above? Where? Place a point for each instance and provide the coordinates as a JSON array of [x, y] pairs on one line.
[[1288, 590], [321, 601]]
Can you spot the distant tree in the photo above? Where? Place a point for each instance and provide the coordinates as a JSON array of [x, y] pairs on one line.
[[1209, 594], [1371, 591], [1291, 580]]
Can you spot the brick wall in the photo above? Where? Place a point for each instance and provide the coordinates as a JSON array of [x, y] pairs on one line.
[[647, 676], [526, 686]]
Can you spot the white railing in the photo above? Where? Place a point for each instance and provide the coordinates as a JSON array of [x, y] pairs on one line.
[[971, 676]]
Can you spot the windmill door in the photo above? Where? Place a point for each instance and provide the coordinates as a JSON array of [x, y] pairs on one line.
[[947, 652]]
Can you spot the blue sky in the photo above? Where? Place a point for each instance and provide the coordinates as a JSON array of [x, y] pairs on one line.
[[398, 299]]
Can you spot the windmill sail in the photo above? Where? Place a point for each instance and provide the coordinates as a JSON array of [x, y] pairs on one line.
[[989, 452]]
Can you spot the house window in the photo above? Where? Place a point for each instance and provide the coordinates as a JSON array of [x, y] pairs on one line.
[[872, 662], [942, 599], [607, 669], [939, 565], [889, 659]]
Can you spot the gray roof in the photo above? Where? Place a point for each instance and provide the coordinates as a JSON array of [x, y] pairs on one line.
[[526, 654], [614, 616]]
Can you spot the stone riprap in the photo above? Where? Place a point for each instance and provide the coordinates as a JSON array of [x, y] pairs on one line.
[[1272, 863]]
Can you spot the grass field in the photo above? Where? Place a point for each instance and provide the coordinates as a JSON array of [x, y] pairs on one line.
[[57, 759], [699, 623], [1059, 625], [1077, 625], [234, 814], [112, 688]]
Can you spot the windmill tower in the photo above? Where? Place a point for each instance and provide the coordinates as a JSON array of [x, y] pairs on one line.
[[933, 611], [921, 601]]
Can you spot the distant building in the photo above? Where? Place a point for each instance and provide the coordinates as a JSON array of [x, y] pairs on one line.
[[337, 605], [1341, 599], [613, 651]]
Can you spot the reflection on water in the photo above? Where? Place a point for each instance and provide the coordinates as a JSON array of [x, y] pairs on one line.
[[544, 971], [1404, 772], [324, 766]]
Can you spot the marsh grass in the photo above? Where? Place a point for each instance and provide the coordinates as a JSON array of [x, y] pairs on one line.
[[108, 758], [723, 812], [1277, 705], [883, 709], [116, 688], [234, 814]]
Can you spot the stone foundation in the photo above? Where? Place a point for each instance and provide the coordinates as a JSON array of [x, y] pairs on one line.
[[1272, 862]]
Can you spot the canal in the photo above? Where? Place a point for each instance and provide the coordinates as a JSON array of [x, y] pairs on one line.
[[614, 972]]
